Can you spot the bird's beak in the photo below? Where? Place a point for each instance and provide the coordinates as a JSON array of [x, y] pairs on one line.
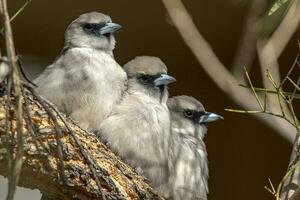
[[164, 79], [109, 28], [209, 117]]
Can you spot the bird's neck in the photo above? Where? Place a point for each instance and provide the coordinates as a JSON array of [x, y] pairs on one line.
[[95, 50], [159, 95]]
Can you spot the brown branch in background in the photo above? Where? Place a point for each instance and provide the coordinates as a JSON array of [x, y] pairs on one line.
[[216, 70], [12, 59], [246, 52], [269, 49]]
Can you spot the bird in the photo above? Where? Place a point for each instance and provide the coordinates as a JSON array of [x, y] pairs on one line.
[[187, 152], [138, 128], [85, 81]]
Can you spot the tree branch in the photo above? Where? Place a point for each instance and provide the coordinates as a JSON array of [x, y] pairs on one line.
[[216, 70], [270, 49], [40, 169], [16, 162], [246, 52]]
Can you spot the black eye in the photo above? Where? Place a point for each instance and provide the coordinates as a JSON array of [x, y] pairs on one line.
[[88, 26], [144, 78], [188, 113]]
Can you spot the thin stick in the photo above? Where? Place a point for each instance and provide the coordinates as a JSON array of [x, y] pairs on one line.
[[270, 91], [293, 83], [58, 135], [261, 111], [18, 12], [244, 111], [253, 90], [17, 164], [295, 90], [287, 175], [290, 71]]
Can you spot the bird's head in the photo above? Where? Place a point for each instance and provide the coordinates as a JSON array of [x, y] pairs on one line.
[[148, 74], [93, 30], [189, 116]]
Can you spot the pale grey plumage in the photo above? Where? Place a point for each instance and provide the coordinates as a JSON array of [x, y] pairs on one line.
[[187, 153], [139, 127], [85, 81], [4, 68]]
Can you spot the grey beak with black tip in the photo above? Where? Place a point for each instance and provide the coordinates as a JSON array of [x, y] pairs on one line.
[[110, 28], [164, 79], [209, 117]]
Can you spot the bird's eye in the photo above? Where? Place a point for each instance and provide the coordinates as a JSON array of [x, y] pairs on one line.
[[144, 78], [88, 26], [188, 113]]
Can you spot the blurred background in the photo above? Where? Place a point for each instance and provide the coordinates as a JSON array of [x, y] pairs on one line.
[[243, 152]]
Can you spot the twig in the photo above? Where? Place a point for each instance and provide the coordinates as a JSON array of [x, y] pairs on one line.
[[272, 189], [294, 84], [58, 135], [295, 90], [261, 111], [270, 91], [23, 72], [244, 111], [18, 12], [17, 164], [278, 92], [290, 71], [253, 90], [287, 175]]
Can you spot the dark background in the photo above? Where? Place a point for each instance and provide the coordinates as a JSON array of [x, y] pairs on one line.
[[243, 152]]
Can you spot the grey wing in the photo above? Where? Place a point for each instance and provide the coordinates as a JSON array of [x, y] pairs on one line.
[[50, 83], [60, 81]]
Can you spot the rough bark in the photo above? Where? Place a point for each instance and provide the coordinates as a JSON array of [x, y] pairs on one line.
[[40, 159]]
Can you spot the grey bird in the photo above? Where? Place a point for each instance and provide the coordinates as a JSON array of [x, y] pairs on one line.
[[85, 81], [187, 152], [139, 127]]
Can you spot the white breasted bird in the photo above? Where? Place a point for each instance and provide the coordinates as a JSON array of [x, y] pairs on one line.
[[85, 81], [187, 152], [139, 127]]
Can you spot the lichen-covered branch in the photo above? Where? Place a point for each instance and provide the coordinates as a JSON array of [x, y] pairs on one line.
[[40, 169]]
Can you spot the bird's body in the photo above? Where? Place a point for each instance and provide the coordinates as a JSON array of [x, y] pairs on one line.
[[139, 127], [135, 132], [187, 152], [85, 81], [189, 167]]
